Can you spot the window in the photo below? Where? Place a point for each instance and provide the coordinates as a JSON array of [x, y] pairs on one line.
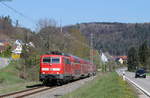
[[51, 60], [67, 61], [141, 71], [55, 60], [46, 60], [77, 61]]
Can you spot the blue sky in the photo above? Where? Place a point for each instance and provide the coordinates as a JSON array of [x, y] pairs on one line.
[[77, 11]]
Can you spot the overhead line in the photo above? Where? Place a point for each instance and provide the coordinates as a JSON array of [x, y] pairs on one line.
[[31, 20], [17, 12], [11, 20]]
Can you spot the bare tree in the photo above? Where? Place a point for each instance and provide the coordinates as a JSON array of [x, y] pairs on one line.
[[44, 23], [48, 33]]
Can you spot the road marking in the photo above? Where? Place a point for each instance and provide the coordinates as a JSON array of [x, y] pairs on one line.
[[138, 86], [146, 92]]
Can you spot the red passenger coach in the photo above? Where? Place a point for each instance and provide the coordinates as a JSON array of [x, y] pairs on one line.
[[59, 68]]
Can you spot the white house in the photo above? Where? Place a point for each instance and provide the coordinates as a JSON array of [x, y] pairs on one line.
[[18, 48], [104, 58]]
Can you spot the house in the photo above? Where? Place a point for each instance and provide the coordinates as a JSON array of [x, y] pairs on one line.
[[17, 49], [104, 58], [120, 59], [3, 45], [2, 48]]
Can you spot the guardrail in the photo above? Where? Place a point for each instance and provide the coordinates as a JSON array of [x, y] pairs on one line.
[[135, 84], [138, 86]]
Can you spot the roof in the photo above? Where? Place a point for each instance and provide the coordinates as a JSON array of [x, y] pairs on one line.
[[123, 57]]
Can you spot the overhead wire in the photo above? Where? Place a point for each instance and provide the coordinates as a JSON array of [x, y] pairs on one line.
[[31, 20], [18, 12]]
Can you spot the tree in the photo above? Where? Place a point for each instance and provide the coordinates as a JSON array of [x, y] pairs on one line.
[[78, 44], [133, 60], [45, 23], [7, 52], [144, 54]]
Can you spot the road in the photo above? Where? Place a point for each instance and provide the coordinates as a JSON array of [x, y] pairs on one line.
[[142, 83], [4, 62]]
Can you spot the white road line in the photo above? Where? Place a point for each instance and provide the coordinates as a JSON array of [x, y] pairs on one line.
[[145, 92], [138, 86]]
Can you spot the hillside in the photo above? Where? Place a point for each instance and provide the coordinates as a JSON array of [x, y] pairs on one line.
[[9, 31], [116, 38]]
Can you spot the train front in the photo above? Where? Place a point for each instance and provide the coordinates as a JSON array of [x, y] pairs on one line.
[[51, 68]]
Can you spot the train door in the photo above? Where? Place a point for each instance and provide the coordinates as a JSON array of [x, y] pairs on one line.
[[67, 66]]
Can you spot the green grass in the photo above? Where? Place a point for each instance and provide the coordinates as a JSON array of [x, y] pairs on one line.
[[9, 75], [108, 85], [148, 74], [10, 81]]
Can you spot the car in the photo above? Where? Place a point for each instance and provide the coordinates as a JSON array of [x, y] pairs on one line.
[[140, 73]]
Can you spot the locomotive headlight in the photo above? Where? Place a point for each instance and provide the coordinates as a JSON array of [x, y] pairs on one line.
[[45, 69], [55, 69]]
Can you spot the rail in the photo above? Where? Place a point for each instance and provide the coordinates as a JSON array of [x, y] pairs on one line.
[[24, 93]]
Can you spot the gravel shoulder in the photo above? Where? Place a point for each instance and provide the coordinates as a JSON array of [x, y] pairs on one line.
[[62, 90]]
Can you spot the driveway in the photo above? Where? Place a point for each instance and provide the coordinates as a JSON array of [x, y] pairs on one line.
[[4, 62]]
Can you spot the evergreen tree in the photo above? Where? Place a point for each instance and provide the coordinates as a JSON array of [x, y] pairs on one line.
[[144, 54], [133, 61]]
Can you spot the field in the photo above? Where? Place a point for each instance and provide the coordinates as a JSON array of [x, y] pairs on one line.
[[108, 85], [148, 74], [10, 81]]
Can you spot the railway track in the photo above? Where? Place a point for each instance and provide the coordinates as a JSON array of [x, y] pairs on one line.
[[35, 91], [25, 93]]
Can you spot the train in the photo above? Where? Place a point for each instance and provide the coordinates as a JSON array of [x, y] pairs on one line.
[[60, 68]]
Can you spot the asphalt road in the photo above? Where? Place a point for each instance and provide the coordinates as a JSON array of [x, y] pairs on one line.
[[4, 62], [143, 83]]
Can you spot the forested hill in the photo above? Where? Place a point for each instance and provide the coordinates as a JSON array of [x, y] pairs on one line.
[[116, 38]]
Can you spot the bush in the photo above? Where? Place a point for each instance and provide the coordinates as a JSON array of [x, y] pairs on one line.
[[1, 80]]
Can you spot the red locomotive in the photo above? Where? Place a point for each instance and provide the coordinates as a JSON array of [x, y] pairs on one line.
[[60, 68]]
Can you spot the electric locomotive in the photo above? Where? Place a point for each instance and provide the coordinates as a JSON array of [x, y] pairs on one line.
[[59, 68]]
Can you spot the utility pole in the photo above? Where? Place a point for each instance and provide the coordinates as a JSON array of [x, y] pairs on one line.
[[17, 23], [91, 50], [60, 26]]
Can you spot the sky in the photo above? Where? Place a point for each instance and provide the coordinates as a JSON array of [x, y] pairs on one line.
[[67, 12]]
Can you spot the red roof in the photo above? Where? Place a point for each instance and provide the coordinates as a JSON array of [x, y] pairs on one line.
[[123, 57]]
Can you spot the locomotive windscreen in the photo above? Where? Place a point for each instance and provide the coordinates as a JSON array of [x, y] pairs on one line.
[[51, 60]]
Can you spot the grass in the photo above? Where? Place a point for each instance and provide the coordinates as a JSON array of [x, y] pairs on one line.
[[108, 85], [16, 87], [9, 75], [148, 74], [10, 81]]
